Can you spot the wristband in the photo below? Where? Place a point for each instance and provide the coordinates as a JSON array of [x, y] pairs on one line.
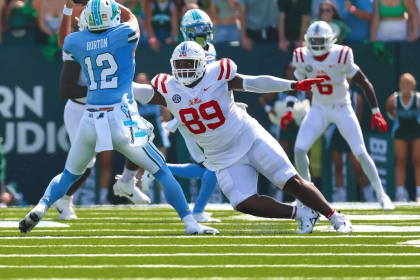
[[152, 40], [67, 11], [352, 9], [268, 108], [375, 110]]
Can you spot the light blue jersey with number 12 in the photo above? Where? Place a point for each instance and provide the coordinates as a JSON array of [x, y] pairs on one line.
[[107, 61]]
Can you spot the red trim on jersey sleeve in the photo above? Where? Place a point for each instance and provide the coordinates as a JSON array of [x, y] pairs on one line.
[[162, 83], [341, 53], [301, 55], [296, 57], [156, 82], [227, 69], [222, 69], [347, 53]]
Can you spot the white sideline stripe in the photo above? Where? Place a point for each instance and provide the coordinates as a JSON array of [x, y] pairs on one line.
[[209, 255], [209, 245], [215, 266], [282, 236], [238, 278], [110, 218]]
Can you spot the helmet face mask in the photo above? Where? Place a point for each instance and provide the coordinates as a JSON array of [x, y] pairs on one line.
[[102, 14], [188, 63], [82, 23], [319, 38], [196, 26]]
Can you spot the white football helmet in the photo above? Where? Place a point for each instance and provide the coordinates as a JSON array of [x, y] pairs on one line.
[[102, 14], [197, 26], [82, 21], [188, 51], [319, 38]]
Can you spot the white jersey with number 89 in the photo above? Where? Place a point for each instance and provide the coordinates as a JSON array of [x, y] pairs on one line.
[[338, 65], [208, 110]]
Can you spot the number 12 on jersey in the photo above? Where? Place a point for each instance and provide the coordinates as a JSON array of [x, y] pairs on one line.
[[109, 71], [199, 125]]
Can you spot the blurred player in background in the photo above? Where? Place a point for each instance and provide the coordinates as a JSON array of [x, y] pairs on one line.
[[321, 58], [403, 107], [195, 26], [337, 145], [106, 53], [236, 146]]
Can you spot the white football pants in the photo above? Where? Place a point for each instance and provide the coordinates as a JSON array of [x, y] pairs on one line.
[[314, 125], [239, 180], [82, 150]]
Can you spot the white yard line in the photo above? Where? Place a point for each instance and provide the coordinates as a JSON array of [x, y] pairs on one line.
[[208, 255], [209, 245], [212, 266], [237, 278], [207, 236]]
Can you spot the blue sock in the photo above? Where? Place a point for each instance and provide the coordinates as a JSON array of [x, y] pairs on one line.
[[208, 184], [189, 170], [58, 187], [173, 191]]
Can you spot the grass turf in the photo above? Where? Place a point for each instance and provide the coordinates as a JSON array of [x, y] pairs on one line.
[[149, 242]]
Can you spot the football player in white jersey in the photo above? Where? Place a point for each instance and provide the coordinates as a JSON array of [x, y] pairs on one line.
[[321, 58], [236, 146]]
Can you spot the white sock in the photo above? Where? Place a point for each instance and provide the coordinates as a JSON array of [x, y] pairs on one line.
[[41, 207], [298, 212], [68, 197], [103, 195], [418, 191], [371, 172], [302, 164], [127, 175], [189, 220]]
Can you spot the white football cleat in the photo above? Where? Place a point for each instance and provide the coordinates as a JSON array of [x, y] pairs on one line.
[[200, 230], [205, 218], [30, 221], [341, 223], [146, 180], [308, 221], [386, 202], [64, 207], [130, 191]]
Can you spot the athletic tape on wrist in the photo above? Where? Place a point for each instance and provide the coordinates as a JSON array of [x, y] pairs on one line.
[[67, 11]]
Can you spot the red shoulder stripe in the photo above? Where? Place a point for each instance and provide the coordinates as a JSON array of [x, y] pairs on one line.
[[156, 82], [227, 69], [347, 53], [341, 53], [222, 69], [162, 83], [296, 57], [301, 55]]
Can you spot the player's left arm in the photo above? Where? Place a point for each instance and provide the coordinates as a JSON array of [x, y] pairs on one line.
[[268, 84], [377, 119], [69, 89]]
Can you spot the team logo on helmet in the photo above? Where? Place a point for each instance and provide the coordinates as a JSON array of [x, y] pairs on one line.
[[309, 68], [176, 98], [184, 48]]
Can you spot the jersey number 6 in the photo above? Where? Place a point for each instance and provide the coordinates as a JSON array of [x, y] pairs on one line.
[[200, 127], [324, 89], [105, 83]]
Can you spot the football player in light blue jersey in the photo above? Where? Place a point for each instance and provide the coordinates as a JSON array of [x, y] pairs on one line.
[[111, 121], [195, 26]]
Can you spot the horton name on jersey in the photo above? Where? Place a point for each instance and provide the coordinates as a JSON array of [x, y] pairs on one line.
[[97, 44]]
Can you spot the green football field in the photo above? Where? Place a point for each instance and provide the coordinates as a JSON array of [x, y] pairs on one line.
[[149, 242]]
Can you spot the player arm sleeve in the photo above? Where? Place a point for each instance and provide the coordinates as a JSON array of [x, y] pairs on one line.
[[350, 67], [142, 92], [300, 75], [192, 146], [266, 84]]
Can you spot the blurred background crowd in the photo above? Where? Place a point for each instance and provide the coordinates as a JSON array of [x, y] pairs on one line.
[[245, 21], [241, 23]]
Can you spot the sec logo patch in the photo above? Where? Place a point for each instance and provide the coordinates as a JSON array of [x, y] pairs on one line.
[[309, 68], [176, 98]]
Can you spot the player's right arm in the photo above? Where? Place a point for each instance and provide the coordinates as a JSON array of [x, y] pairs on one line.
[[128, 16], [69, 89]]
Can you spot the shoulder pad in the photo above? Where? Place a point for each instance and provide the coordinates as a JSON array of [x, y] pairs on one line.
[[159, 82]]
